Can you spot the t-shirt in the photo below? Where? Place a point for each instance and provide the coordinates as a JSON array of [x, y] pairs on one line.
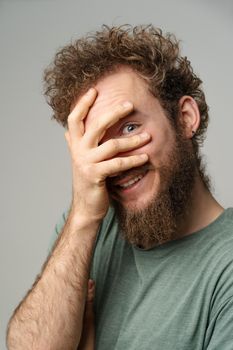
[[177, 296]]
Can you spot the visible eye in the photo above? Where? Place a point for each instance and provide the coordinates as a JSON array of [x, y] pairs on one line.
[[129, 128]]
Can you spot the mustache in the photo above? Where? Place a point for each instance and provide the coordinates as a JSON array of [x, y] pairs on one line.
[[131, 172]]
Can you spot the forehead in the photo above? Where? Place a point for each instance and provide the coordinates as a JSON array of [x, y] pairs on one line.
[[120, 86]]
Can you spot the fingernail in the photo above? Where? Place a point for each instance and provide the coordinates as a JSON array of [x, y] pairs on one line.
[[90, 91], [144, 156], [127, 104], [145, 136], [91, 283]]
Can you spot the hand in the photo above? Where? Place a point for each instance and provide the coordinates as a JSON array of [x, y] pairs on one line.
[[87, 341], [93, 163]]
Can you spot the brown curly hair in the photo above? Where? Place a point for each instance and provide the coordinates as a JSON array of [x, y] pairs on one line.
[[153, 55]]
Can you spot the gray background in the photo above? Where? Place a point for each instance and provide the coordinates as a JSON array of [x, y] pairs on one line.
[[35, 164]]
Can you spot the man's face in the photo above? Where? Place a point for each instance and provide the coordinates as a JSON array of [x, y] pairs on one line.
[[142, 196], [147, 116]]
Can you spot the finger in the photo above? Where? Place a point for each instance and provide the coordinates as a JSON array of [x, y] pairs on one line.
[[87, 341], [90, 291], [115, 165], [89, 312], [100, 125], [79, 113], [112, 147]]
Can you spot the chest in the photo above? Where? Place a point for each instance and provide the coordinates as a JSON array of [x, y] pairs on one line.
[[151, 303]]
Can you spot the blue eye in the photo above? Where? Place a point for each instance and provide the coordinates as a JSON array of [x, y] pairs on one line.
[[129, 128]]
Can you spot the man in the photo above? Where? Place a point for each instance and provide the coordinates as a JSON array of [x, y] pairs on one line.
[[143, 223]]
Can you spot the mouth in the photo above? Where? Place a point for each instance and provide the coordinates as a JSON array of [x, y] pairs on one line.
[[128, 184], [124, 184]]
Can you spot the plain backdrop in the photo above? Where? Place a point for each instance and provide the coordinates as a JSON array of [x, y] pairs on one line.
[[35, 164]]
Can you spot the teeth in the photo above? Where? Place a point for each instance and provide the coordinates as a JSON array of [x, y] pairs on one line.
[[131, 182]]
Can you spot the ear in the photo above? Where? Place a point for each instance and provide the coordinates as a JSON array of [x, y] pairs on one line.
[[189, 116]]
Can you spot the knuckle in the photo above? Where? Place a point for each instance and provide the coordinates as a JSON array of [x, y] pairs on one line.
[[97, 181], [94, 176], [119, 162], [114, 144]]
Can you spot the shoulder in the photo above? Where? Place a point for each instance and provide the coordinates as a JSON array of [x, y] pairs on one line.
[[221, 262], [109, 245], [223, 236], [108, 235], [107, 227]]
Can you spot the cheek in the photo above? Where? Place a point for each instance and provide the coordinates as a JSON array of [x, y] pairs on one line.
[[161, 143], [107, 136], [157, 149]]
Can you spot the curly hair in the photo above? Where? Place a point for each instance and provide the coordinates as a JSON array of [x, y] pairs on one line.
[[153, 55]]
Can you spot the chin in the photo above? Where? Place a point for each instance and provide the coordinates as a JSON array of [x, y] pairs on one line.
[[138, 204]]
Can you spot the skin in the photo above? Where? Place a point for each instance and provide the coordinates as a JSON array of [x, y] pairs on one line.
[[52, 313], [147, 116], [88, 334]]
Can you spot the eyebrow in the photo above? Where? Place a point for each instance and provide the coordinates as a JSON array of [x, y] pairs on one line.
[[133, 113]]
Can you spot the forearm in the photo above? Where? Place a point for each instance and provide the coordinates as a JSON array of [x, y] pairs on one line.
[[50, 316]]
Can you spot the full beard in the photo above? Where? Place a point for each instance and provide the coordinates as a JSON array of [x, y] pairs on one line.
[[159, 221]]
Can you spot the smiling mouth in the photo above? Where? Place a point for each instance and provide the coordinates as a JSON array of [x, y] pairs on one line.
[[131, 182], [126, 183], [128, 179]]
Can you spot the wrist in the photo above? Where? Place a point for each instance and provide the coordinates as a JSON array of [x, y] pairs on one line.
[[83, 221]]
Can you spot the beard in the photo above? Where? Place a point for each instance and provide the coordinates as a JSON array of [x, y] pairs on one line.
[[158, 222]]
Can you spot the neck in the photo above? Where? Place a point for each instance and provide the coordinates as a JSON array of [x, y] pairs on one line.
[[204, 209]]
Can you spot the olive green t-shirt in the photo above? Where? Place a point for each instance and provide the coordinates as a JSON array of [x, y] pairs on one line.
[[177, 296]]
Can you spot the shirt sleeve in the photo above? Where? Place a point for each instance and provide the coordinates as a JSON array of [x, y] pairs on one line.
[[220, 330]]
